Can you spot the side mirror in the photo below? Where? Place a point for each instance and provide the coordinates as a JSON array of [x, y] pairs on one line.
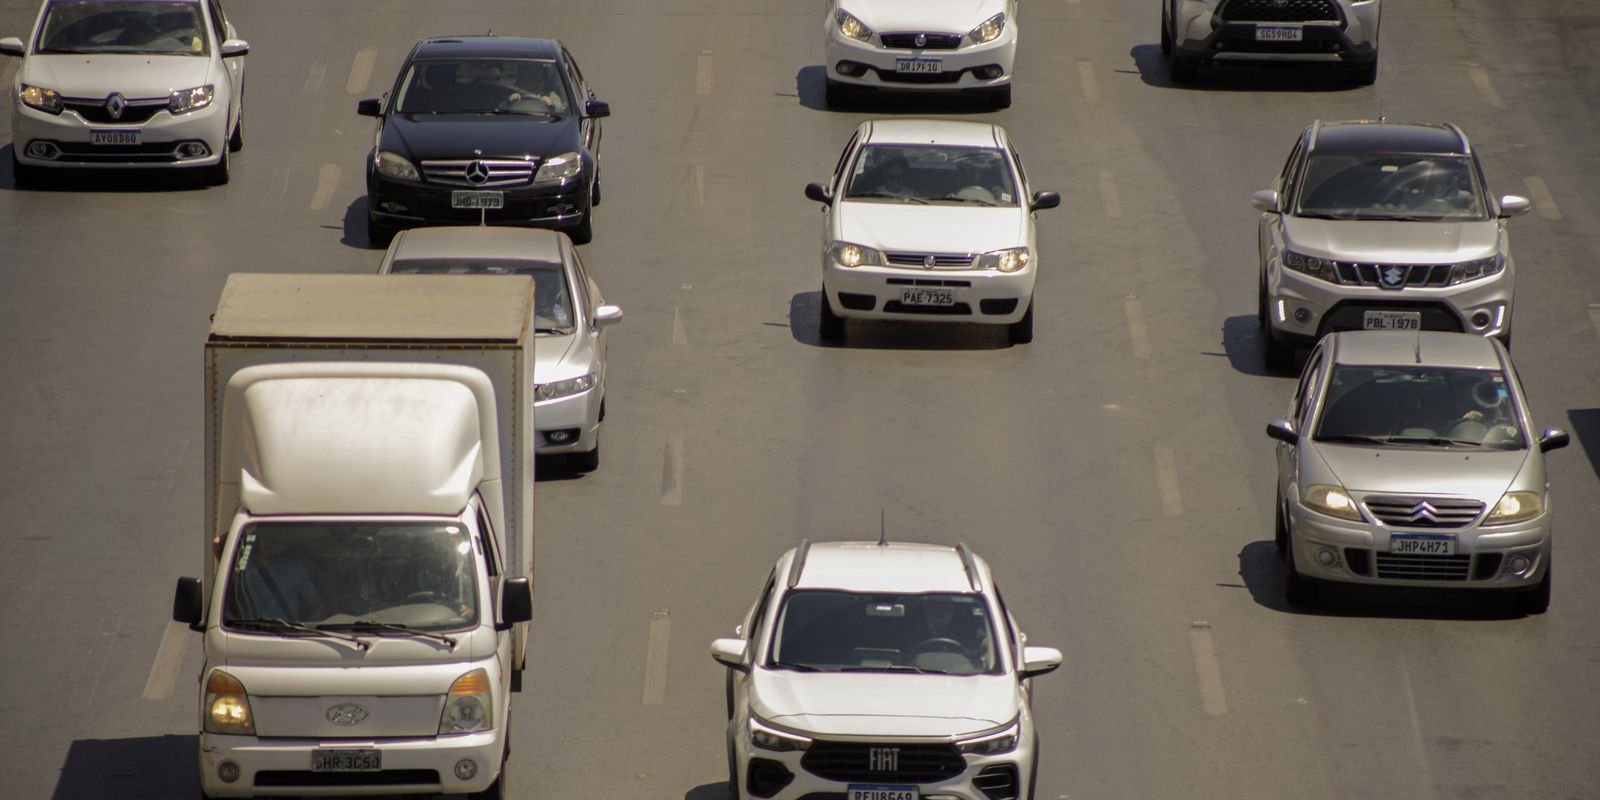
[[607, 314], [516, 602], [1553, 439], [370, 107], [819, 193], [1044, 200], [1514, 206], [188, 604], [730, 653], [1283, 430], [1265, 200], [233, 48], [596, 108], [12, 46], [1038, 661]]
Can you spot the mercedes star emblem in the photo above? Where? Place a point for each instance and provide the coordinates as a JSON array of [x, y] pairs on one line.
[[346, 714], [477, 173], [115, 105]]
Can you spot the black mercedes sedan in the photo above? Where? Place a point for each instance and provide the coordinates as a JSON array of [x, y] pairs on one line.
[[500, 130]]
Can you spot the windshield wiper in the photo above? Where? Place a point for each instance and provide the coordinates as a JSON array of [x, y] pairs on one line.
[[1311, 215], [888, 196], [562, 331], [276, 625], [1437, 441], [795, 667], [372, 625], [978, 200], [1355, 438], [897, 668]]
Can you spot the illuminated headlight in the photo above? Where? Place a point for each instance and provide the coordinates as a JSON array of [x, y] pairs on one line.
[[1480, 268], [185, 100], [852, 27], [1310, 265], [227, 707], [1013, 260], [41, 98], [1331, 500], [1003, 740], [1515, 507], [556, 169], [989, 30], [566, 388], [767, 737], [467, 706], [846, 254], [394, 165]]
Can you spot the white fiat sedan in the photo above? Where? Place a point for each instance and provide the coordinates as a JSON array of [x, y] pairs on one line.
[[127, 83], [929, 220], [915, 45]]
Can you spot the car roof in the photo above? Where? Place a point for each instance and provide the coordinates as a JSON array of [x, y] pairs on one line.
[[933, 131], [1427, 348], [512, 244], [899, 567], [1382, 136], [487, 47]]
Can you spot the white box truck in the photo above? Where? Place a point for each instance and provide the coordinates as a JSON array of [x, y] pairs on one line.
[[369, 533]]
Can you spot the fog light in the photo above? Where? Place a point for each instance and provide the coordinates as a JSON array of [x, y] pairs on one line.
[[466, 769], [561, 209], [392, 207], [560, 437], [850, 69], [1302, 315], [1519, 564], [1327, 557], [989, 72], [192, 150], [228, 771], [1481, 319], [43, 150]]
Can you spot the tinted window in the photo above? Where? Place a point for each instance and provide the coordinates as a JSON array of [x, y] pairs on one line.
[[835, 631], [128, 27], [1391, 186], [483, 86], [553, 306], [1420, 406], [932, 174]]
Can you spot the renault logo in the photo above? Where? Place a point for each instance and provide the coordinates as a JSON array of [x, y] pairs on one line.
[[922, 40], [1394, 278], [115, 105], [928, 262], [477, 173], [346, 714], [883, 759]]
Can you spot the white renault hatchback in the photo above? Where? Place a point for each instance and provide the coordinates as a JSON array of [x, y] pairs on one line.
[[915, 45], [127, 83], [932, 221], [881, 671]]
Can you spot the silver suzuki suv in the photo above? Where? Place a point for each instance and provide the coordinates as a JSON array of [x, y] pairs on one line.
[[1382, 226], [1340, 32], [1409, 459]]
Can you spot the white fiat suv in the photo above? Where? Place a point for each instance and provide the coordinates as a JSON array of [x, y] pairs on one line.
[[915, 45], [127, 84], [929, 221], [881, 671]]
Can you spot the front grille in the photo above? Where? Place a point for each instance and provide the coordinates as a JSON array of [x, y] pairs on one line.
[[498, 172], [1410, 275], [940, 260], [1416, 567], [1358, 560], [948, 76], [928, 282], [385, 777], [148, 153], [933, 41], [911, 763], [94, 111], [1487, 566], [957, 310], [1279, 11], [1423, 512], [997, 782]]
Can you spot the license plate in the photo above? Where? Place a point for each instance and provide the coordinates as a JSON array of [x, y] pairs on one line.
[[933, 65], [1392, 320], [1279, 33], [113, 137], [477, 199], [882, 793], [354, 760], [927, 297], [1427, 544]]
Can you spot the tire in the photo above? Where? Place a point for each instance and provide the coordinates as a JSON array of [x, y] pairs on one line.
[[496, 790], [217, 174], [594, 193], [1261, 306], [583, 232], [1276, 355], [1280, 527], [1364, 74], [837, 95], [1000, 98], [1536, 600], [733, 775], [1021, 331], [24, 176], [236, 140], [1166, 33], [1182, 70], [830, 326], [378, 234], [1298, 590]]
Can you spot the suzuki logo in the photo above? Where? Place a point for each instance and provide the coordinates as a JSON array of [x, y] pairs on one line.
[[115, 105], [922, 40], [883, 759], [346, 714], [477, 173], [1393, 278]]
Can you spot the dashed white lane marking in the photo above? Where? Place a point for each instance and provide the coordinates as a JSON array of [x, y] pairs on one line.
[[1480, 78], [655, 659], [1167, 482], [94, 668], [1212, 698], [679, 337], [1137, 332], [361, 70], [319, 70], [278, 187], [176, 450], [702, 73], [699, 184], [1543, 201], [672, 473], [1426, 771], [1091, 87], [327, 184], [169, 659], [1109, 199]]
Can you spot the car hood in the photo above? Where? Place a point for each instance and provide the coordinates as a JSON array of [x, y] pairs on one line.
[[937, 16], [135, 76], [932, 228], [884, 704], [441, 136], [1392, 242], [1483, 475], [561, 356]]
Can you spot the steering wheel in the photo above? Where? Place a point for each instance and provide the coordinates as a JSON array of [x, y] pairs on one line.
[[941, 643]]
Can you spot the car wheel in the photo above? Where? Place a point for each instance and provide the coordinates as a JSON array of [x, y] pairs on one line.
[[587, 461], [1276, 355], [1364, 74], [594, 193], [217, 174], [830, 326], [1505, 339], [733, 773], [1280, 527], [1298, 590], [23, 176], [1166, 33], [236, 141], [837, 95], [583, 232], [1261, 306], [1182, 70], [378, 234], [1000, 98], [1537, 600], [1021, 331]]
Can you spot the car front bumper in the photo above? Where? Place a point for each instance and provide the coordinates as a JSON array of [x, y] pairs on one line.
[[868, 64], [1329, 307], [282, 767], [758, 771], [578, 415], [1360, 554], [159, 138], [876, 293], [1204, 35], [405, 203]]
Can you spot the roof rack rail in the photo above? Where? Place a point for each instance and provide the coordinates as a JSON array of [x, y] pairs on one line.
[[799, 562], [970, 565]]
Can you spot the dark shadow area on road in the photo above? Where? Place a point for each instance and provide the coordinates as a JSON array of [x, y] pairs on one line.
[[1242, 338], [811, 83], [154, 767], [1265, 77], [1262, 569], [552, 468], [709, 791], [355, 226], [873, 335], [72, 179], [1585, 424]]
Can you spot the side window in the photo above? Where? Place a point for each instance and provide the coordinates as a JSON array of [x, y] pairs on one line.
[[491, 557], [1307, 391], [838, 169], [219, 22], [760, 613], [583, 287], [575, 75], [1289, 180], [1010, 632]]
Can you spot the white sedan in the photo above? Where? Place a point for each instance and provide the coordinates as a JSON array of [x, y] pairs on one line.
[[127, 83], [915, 45], [932, 221]]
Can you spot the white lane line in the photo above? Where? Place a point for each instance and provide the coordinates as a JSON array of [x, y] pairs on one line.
[[319, 70], [1543, 201], [1137, 332], [1212, 698], [361, 70], [1480, 78], [1091, 87], [89, 677], [702, 73], [679, 337], [182, 446], [169, 659], [327, 184], [1167, 482], [1108, 195], [1426, 773], [278, 187], [672, 474], [655, 659], [699, 184]]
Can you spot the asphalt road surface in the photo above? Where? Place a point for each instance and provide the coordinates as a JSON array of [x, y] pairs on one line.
[[1114, 472]]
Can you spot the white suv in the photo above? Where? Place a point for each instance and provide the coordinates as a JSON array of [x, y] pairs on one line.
[[881, 671], [920, 46]]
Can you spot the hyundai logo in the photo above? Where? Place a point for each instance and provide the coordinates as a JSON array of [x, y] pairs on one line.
[[115, 105], [477, 173], [883, 759], [346, 714], [1393, 278], [922, 40]]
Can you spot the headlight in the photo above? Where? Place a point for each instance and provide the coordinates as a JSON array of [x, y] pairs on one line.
[[1481, 268], [1331, 500], [394, 165], [990, 30], [1310, 265], [41, 98], [566, 388], [1000, 741], [227, 707], [1012, 260], [185, 100], [556, 169], [852, 27], [467, 706], [846, 254], [1515, 507], [775, 739]]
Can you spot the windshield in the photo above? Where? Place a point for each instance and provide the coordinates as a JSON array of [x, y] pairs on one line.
[[483, 86], [932, 174], [142, 27], [836, 631], [1426, 406], [551, 296], [419, 575], [1395, 186]]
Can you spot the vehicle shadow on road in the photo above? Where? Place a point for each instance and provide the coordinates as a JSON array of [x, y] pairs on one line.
[[1242, 340], [154, 767], [1585, 424], [873, 335], [1262, 569], [355, 226], [1286, 77], [811, 85], [126, 181], [709, 791]]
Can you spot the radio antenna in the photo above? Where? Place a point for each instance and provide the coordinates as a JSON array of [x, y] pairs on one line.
[[883, 531]]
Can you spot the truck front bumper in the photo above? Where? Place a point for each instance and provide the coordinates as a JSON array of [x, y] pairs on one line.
[[263, 767]]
